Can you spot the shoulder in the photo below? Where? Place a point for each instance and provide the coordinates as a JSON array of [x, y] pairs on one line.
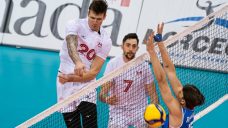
[[76, 22], [144, 65], [188, 117], [106, 37], [72, 22], [115, 62], [187, 111], [116, 59], [103, 31], [82, 21]]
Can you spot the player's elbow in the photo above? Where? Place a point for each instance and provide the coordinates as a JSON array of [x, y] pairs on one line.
[[169, 68], [161, 83], [161, 78]]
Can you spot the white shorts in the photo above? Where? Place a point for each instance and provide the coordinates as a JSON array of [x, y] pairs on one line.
[[69, 88]]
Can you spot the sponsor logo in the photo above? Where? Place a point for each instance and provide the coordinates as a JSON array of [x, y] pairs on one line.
[[209, 9], [99, 44]]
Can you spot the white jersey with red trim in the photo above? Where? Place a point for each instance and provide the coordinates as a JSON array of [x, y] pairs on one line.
[[90, 45], [129, 87]]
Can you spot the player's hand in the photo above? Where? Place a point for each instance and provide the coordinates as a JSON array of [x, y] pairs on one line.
[[79, 68], [160, 28], [158, 36], [150, 43], [63, 78], [112, 100]]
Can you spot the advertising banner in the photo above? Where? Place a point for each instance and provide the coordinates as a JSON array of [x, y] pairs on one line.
[[2, 15], [41, 23]]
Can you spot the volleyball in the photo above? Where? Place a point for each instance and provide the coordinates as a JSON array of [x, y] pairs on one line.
[[154, 115]]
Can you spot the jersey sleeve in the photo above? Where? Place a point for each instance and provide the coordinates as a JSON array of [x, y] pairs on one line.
[[72, 28], [149, 76], [105, 49], [108, 68]]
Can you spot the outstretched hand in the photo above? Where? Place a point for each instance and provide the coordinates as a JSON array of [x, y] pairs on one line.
[[158, 36], [150, 43], [160, 28]]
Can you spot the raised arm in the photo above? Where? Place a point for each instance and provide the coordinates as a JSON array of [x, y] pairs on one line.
[[168, 66], [159, 72], [72, 44], [172, 104]]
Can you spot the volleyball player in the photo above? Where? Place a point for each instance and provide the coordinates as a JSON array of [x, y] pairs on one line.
[[128, 93], [83, 53], [181, 106]]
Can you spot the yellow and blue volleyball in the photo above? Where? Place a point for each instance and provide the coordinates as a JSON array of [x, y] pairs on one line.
[[154, 115]]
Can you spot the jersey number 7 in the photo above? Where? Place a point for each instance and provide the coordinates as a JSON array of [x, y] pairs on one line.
[[129, 83]]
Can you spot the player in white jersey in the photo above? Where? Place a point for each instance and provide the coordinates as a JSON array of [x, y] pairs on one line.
[[83, 53], [128, 93]]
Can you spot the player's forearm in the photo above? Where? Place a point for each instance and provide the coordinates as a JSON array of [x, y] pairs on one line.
[[158, 70], [167, 62], [89, 75], [169, 69], [85, 77], [72, 44]]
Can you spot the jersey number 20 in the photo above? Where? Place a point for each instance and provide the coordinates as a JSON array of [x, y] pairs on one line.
[[89, 53]]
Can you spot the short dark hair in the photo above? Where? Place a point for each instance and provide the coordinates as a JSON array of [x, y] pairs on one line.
[[131, 36], [192, 96], [99, 6]]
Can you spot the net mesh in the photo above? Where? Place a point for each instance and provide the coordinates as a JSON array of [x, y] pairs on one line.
[[200, 56]]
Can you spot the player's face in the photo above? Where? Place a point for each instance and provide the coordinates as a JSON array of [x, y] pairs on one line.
[[95, 20], [130, 48]]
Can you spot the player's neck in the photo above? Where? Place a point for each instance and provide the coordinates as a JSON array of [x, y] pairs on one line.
[[126, 59]]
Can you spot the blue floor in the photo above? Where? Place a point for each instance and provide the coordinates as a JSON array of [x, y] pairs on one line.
[[215, 119], [28, 86]]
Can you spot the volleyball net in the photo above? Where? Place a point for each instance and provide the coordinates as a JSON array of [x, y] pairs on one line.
[[200, 54]]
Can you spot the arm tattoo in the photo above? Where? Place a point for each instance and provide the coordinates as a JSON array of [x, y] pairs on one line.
[[72, 44]]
